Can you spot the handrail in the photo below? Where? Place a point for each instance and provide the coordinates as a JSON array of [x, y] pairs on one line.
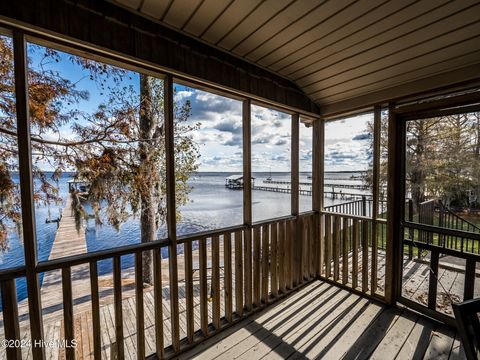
[[12, 273], [208, 233], [442, 230], [74, 260], [79, 259], [348, 216], [445, 208], [442, 250], [272, 221]]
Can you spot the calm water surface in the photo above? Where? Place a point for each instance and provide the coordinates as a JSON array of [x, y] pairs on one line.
[[210, 206]]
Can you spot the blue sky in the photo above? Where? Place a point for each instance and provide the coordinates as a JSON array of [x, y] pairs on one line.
[[220, 134]]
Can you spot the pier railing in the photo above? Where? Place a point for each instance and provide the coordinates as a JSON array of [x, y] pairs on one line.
[[215, 280]]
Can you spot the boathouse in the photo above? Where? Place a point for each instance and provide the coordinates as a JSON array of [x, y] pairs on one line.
[[390, 276], [235, 182]]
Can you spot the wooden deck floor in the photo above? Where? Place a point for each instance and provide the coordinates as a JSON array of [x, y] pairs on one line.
[[324, 321], [415, 286]]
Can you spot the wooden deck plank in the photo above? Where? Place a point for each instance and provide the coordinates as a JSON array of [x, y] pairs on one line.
[[224, 341], [353, 328], [259, 330], [457, 352], [396, 336], [285, 339], [440, 344], [323, 337], [417, 341]]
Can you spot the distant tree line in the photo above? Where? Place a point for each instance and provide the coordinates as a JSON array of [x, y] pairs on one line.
[[442, 159]]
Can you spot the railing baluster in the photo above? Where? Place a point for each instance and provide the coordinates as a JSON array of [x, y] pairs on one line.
[[281, 257], [364, 256], [289, 246], [189, 290], [265, 262], [374, 235], [315, 239], [227, 271], [336, 248], [321, 243], [97, 338], [68, 311], [274, 260], [305, 250], [139, 305], [355, 237], [238, 273], [202, 252], [248, 268], [10, 318], [117, 298], [469, 281], [328, 247], [345, 232], [313, 246], [432, 285], [158, 302], [216, 281], [256, 265], [297, 251]]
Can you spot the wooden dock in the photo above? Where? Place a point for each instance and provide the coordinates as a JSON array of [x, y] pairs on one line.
[[333, 194], [331, 185], [281, 190], [69, 239]]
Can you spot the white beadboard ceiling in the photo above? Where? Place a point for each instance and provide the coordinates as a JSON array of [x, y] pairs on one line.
[[334, 50]]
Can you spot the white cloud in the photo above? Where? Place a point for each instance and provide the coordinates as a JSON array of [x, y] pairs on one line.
[[182, 95]]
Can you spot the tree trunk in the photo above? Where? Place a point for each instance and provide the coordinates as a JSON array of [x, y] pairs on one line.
[[148, 232], [147, 125], [418, 174]]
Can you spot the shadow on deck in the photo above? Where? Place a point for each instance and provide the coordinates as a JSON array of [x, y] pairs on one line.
[[323, 321], [319, 321]]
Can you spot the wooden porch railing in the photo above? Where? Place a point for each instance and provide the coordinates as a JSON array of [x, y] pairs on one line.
[[433, 212], [223, 277], [353, 246], [433, 251]]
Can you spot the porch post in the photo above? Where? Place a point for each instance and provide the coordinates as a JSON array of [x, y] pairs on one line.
[[377, 122], [396, 172], [26, 191], [294, 168], [247, 202], [171, 209], [318, 187]]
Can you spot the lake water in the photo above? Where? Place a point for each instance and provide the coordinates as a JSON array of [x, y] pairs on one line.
[[211, 206]]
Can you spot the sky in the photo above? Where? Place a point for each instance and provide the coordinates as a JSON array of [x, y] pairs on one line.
[[220, 135], [347, 144]]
